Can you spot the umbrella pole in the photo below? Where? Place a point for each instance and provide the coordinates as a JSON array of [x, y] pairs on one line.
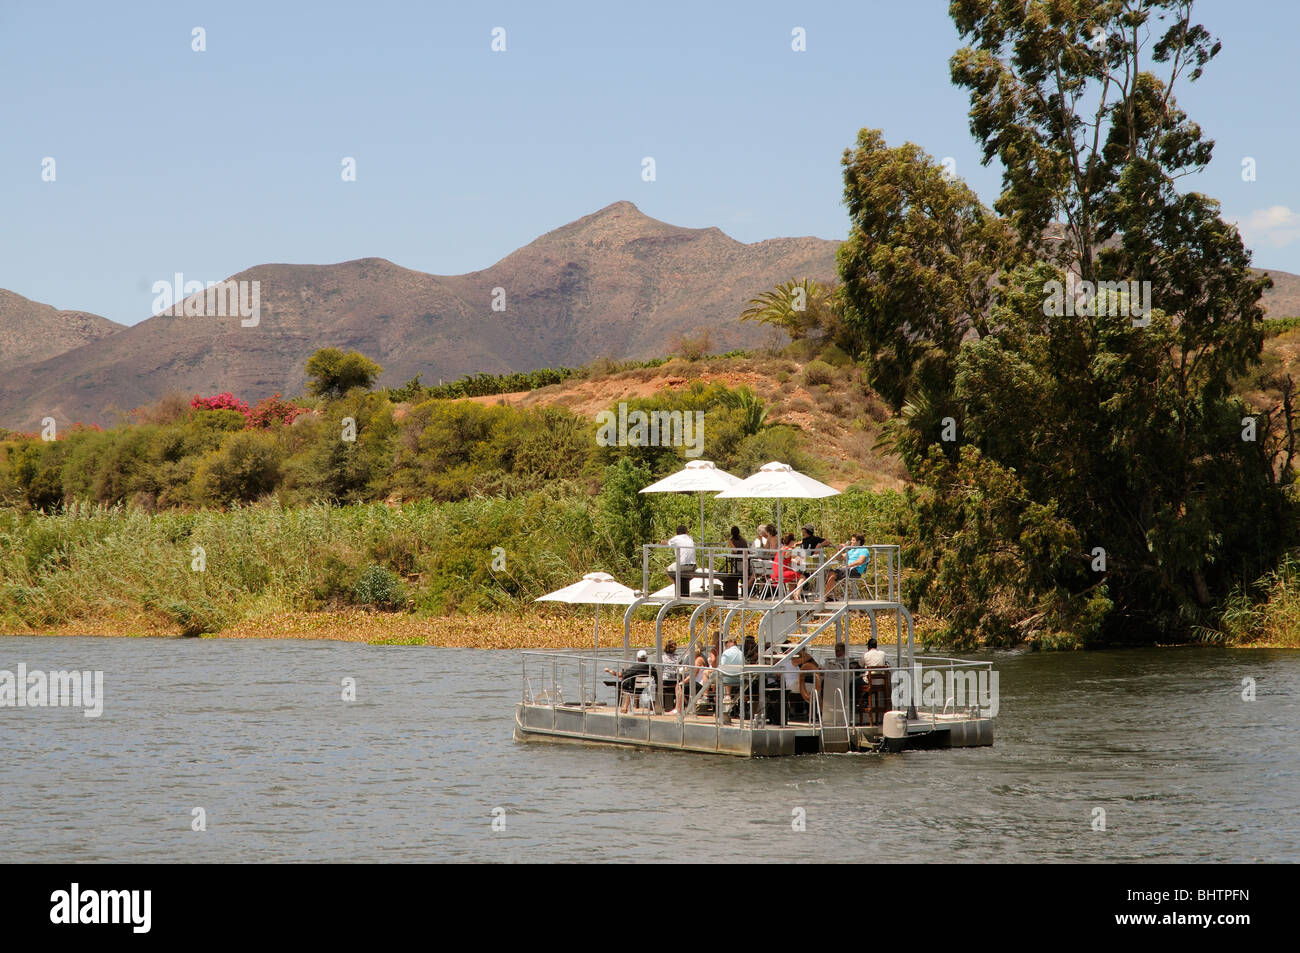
[[701, 519], [595, 661]]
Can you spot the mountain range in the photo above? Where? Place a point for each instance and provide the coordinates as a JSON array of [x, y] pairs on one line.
[[614, 284], [35, 331]]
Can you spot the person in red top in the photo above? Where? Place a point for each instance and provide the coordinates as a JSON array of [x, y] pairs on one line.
[[782, 572]]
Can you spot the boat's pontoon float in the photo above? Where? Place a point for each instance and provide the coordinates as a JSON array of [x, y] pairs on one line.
[[763, 708]]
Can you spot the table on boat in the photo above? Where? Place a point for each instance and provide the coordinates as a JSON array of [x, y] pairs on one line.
[[730, 581]]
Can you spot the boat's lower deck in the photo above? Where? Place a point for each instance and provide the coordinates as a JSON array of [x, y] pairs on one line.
[[603, 724]]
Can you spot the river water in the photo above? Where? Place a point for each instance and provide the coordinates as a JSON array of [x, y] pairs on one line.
[[420, 765]]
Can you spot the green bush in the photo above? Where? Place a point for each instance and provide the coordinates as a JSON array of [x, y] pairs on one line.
[[379, 588], [1275, 326], [835, 356], [817, 373], [332, 373], [194, 619], [245, 468], [804, 349]]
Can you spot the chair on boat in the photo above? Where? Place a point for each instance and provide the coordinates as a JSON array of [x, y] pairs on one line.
[[850, 587], [875, 699], [641, 695], [668, 690], [761, 585], [733, 694]]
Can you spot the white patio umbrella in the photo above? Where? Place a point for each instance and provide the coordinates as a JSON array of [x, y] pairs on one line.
[[778, 481], [698, 476], [595, 588]]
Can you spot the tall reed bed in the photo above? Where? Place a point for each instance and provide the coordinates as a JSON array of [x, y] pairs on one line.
[[201, 571]]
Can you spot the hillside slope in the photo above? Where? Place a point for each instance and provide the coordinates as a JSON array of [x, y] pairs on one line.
[[839, 421], [31, 332]]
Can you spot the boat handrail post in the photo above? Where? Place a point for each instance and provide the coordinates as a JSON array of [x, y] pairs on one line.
[[911, 650], [645, 568], [659, 642], [656, 696], [726, 621]]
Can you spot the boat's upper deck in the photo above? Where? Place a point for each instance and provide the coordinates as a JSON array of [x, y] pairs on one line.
[[761, 578]]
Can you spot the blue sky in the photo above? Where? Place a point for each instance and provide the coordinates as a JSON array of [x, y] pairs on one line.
[[207, 163]]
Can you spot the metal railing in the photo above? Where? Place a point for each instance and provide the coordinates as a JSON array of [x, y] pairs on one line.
[[939, 685], [755, 695], [751, 575]]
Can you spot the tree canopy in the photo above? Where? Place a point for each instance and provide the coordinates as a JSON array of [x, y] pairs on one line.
[[1083, 467], [332, 372]]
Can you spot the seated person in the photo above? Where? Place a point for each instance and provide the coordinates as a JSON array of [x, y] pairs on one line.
[[840, 660], [782, 571], [811, 548], [873, 657], [811, 542], [732, 656], [627, 679], [761, 550], [697, 676], [874, 701], [708, 686], [739, 548], [671, 670], [790, 682], [683, 560], [856, 559], [810, 678]]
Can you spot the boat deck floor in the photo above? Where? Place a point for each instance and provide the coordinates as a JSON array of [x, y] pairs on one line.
[[706, 718]]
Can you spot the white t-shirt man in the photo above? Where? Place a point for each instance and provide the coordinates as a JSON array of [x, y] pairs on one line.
[[684, 549], [874, 658]]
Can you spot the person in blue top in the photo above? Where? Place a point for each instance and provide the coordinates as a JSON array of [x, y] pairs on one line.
[[857, 558], [732, 655]]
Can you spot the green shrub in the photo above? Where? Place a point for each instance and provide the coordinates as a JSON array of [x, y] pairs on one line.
[[835, 356], [246, 467], [379, 588], [194, 619], [817, 373], [804, 349], [1275, 326], [332, 581]]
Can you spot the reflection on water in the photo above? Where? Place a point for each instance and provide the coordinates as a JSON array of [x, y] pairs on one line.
[[257, 735]]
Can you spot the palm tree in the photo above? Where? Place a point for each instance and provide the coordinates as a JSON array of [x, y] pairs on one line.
[[753, 411], [796, 307]]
